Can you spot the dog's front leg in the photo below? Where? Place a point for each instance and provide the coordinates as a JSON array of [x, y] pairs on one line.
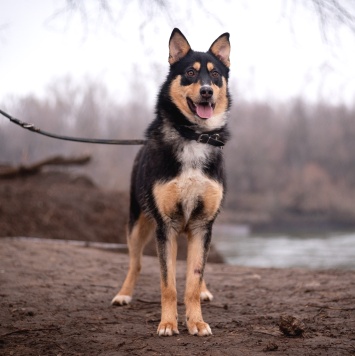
[[198, 247], [167, 249]]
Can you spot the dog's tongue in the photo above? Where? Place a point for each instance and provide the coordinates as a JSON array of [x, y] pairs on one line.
[[204, 111]]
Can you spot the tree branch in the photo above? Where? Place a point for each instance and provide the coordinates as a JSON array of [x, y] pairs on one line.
[[21, 170]]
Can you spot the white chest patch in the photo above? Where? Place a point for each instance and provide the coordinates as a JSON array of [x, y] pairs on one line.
[[194, 155]]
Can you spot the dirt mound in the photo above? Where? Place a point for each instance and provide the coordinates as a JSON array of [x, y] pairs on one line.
[[61, 206], [55, 300]]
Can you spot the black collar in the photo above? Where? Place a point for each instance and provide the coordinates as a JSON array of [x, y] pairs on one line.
[[212, 138]]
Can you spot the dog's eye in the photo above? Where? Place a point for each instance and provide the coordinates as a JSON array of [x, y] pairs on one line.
[[190, 73], [214, 74]]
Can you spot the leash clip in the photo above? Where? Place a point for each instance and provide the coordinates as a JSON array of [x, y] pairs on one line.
[[28, 126]]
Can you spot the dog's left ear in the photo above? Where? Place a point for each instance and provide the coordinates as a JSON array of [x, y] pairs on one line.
[[178, 46], [221, 49]]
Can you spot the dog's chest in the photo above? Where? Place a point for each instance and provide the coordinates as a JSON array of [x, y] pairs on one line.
[[191, 187], [194, 155]]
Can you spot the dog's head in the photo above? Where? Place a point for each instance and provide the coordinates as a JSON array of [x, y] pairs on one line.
[[199, 80]]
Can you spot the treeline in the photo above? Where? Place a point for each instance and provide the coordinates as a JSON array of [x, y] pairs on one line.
[[293, 157]]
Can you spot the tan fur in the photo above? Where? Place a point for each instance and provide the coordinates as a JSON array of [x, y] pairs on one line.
[[169, 316], [221, 98], [166, 197], [140, 235], [194, 319], [187, 189], [212, 198], [197, 66], [205, 294], [180, 93], [210, 66], [178, 48], [221, 49]]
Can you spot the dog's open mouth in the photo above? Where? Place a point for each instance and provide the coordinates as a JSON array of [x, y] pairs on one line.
[[203, 109]]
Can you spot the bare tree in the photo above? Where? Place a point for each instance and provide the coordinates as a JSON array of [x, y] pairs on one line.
[[331, 14], [334, 13]]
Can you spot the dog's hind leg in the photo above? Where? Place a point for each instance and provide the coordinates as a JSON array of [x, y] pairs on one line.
[[138, 236], [205, 294]]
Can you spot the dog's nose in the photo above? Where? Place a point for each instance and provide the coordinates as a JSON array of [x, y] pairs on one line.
[[206, 91]]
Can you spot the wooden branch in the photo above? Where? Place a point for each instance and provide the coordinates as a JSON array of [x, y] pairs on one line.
[[21, 170]]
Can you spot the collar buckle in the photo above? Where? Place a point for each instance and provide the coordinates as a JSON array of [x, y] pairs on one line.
[[213, 139], [203, 138]]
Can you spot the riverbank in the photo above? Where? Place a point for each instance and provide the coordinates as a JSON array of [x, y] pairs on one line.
[[286, 222]]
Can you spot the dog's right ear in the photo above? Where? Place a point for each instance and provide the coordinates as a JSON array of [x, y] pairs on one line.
[[178, 46]]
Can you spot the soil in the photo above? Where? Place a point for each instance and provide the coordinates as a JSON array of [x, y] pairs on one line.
[[55, 300], [55, 297]]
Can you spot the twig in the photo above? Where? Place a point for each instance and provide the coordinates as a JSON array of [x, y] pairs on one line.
[[10, 172], [147, 301], [276, 333]]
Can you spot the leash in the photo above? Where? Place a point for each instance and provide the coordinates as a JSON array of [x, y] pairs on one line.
[[211, 138], [33, 128]]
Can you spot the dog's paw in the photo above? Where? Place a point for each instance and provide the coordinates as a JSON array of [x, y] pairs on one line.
[[121, 300], [206, 296], [199, 328], [167, 329]]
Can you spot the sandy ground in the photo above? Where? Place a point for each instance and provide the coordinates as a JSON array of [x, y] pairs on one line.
[[55, 300]]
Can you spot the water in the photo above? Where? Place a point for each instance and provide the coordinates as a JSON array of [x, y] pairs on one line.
[[239, 247]]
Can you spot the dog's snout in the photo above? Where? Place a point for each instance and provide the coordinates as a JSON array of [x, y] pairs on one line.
[[206, 91]]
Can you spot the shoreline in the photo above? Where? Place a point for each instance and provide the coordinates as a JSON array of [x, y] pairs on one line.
[[286, 223]]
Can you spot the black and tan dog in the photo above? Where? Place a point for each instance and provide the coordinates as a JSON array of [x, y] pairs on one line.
[[178, 177]]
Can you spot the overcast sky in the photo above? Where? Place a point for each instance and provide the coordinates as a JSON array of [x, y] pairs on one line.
[[277, 48]]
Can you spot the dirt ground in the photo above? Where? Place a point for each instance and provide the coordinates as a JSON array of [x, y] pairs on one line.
[[55, 300], [55, 297]]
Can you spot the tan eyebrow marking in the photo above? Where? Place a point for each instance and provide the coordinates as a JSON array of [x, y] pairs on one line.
[[210, 66], [197, 66]]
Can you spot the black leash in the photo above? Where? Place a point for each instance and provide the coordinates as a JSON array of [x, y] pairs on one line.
[[210, 138], [33, 128]]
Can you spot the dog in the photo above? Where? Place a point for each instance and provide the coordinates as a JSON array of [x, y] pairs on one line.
[[178, 179]]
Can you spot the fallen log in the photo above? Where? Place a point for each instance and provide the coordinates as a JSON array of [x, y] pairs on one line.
[[22, 170]]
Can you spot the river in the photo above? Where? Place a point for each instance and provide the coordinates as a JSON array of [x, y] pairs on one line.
[[240, 247]]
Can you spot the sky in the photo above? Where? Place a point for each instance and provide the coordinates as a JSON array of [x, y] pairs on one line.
[[278, 51]]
